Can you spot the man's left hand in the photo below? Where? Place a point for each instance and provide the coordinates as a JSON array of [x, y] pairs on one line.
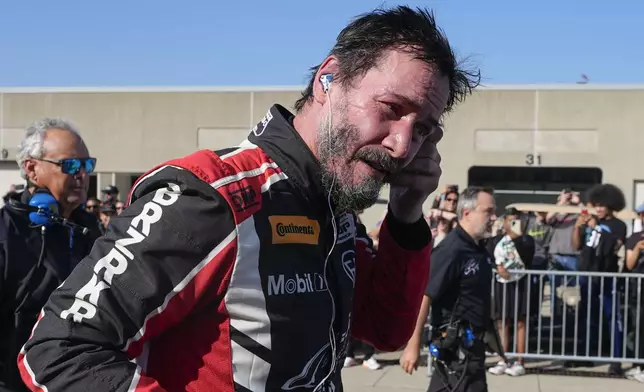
[[415, 182]]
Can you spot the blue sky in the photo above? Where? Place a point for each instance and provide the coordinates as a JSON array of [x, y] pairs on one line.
[[253, 42]]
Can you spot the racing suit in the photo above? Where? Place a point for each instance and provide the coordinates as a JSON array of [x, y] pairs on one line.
[[228, 272]]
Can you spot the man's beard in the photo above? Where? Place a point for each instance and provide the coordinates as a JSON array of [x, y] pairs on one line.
[[333, 150]]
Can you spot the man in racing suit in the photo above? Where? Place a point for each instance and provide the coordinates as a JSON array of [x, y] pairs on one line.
[[244, 269]]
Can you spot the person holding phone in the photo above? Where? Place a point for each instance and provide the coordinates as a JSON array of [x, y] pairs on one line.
[[562, 255], [442, 217], [513, 251]]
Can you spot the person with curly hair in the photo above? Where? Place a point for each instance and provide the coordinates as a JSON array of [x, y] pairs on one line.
[[599, 238]]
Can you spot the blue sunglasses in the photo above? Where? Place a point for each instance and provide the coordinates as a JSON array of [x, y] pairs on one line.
[[74, 165]]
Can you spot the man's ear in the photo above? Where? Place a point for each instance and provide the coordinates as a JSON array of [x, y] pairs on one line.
[[328, 67], [30, 169]]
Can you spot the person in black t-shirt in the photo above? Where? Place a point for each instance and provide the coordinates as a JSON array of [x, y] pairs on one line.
[[635, 263], [635, 253], [599, 238], [459, 290]]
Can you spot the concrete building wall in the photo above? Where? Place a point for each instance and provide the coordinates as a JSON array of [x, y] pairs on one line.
[[131, 130]]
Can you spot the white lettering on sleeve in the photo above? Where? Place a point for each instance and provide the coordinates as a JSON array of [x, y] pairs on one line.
[[115, 263], [92, 289]]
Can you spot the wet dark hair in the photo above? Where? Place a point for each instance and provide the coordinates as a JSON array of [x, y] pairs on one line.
[[607, 195], [360, 46]]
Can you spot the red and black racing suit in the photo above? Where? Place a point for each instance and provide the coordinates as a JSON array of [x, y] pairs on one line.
[[214, 279]]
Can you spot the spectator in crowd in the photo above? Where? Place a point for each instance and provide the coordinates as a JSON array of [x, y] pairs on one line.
[[442, 229], [563, 255], [638, 225], [599, 239], [34, 260], [447, 200], [634, 257], [444, 207], [541, 232], [119, 207], [108, 210], [110, 194], [93, 206], [635, 263], [512, 250], [497, 229]]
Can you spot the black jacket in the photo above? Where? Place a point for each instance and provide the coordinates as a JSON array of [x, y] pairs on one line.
[[25, 284]]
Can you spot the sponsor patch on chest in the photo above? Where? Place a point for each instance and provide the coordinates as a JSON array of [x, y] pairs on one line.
[[346, 228], [294, 229]]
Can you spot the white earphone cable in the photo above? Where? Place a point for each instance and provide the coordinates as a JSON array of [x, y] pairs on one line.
[[332, 339]]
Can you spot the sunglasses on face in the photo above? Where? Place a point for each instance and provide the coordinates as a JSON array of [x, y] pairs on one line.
[[74, 165], [453, 200]]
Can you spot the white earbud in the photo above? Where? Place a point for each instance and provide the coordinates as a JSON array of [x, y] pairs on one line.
[[326, 80]]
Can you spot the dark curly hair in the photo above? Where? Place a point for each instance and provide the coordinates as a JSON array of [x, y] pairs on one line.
[[360, 46], [607, 195]]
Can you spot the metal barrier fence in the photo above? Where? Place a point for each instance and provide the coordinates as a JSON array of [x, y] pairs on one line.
[[571, 316]]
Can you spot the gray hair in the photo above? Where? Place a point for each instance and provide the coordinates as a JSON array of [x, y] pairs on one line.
[[31, 145], [469, 198]]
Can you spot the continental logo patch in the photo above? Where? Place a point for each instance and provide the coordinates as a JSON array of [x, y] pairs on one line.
[[292, 229]]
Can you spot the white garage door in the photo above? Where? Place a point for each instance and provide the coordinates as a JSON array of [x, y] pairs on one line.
[[9, 174]]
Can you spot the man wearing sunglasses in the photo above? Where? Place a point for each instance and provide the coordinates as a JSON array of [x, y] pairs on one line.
[[52, 158]]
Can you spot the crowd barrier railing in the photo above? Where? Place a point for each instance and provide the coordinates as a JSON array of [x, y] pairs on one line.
[[570, 316]]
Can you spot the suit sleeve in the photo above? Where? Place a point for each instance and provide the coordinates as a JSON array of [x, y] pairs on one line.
[[390, 282], [144, 276]]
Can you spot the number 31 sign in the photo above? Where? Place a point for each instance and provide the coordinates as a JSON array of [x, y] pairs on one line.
[[533, 159]]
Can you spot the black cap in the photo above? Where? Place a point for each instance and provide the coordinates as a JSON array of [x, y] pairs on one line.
[[110, 190], [108, 208]]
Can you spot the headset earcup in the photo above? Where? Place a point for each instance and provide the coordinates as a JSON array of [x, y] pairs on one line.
[[46, 203]]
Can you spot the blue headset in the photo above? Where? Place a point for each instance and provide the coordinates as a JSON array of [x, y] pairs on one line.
[[44, 211], [41, 210]]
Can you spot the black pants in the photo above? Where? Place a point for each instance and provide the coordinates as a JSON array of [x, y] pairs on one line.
[[367, 349], [467, 377]]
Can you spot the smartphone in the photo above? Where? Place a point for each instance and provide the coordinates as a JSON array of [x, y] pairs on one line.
[[516, 226]]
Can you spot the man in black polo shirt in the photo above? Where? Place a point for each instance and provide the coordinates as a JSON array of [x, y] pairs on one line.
[[459, 290]]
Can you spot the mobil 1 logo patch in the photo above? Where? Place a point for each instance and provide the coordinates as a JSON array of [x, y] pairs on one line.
[[349, 264], [346, 228], [301, 283]]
